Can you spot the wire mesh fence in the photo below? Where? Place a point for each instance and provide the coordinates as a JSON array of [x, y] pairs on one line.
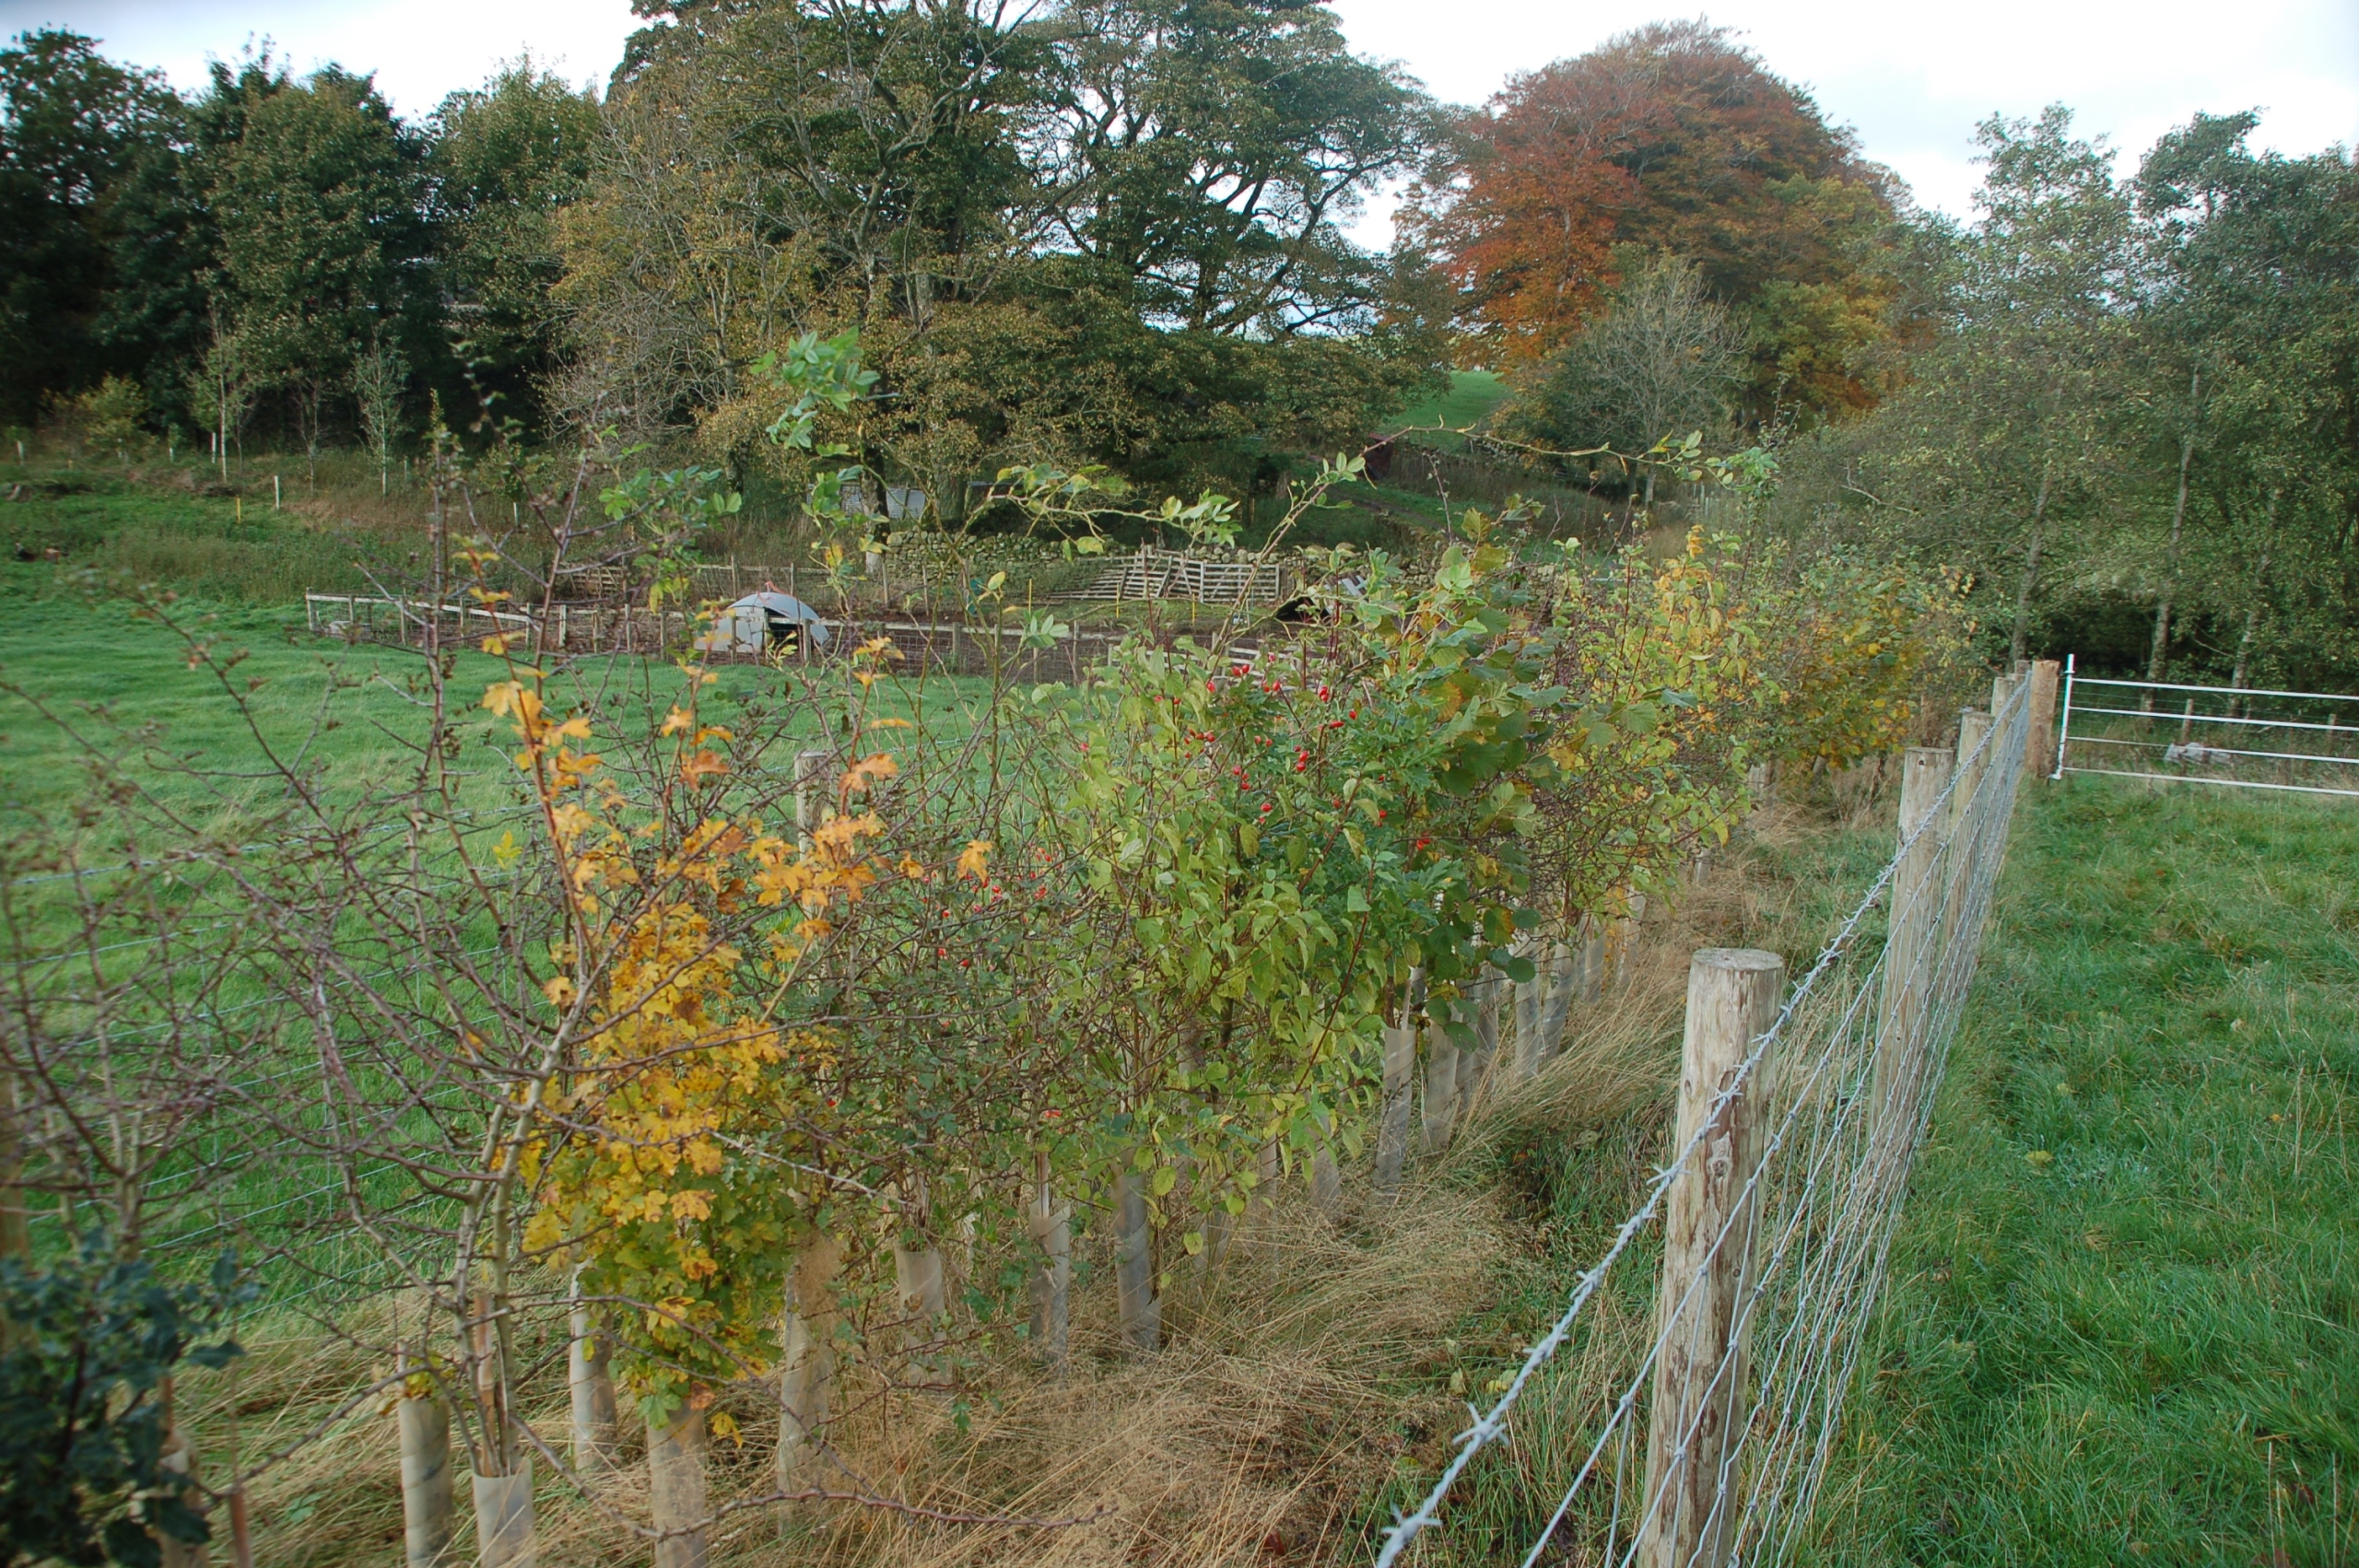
[[1799, 1114]]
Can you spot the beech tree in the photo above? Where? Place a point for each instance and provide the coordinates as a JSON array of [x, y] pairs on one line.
[[1674, 138]]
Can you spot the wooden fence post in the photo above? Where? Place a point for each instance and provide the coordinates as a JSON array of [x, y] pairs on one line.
[[1702, 1380], [2039, 751], [676, 1489], [1916, 905]]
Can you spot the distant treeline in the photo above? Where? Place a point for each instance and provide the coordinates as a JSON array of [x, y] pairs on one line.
[[1113, 232], [1108, 232]]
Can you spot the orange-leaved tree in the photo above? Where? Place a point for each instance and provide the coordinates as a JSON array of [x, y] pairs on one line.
[[1670, 139], [682, 1155]]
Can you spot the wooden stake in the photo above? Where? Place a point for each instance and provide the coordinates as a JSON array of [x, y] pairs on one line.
[[1917, 901], [1392, 1131], [241, 1535], [2039, 752], [676, 1489], [1702, 1380], [810, 808], [179, 1457]]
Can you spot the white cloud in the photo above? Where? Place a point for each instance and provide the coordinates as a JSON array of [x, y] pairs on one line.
[[420, 49], [1915, 78], [1912, 78]]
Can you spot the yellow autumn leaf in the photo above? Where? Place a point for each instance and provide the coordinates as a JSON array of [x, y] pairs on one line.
[[975, 860]]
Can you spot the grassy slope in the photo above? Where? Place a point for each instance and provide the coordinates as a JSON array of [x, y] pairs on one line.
[[2123, 1323], [1472, 395]]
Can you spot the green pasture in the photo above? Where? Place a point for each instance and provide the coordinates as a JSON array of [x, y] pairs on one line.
[[2123, 1320], [1474, 395]]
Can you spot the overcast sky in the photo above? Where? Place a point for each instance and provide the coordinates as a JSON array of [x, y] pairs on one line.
[[1912, 78]]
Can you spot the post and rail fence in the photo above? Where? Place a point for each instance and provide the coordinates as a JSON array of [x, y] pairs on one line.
[[1800, 1113]]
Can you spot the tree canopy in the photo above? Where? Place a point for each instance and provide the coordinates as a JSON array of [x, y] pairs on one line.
[[1673, 138]]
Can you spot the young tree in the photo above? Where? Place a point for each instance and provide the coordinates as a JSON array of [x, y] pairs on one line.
[[507, 158], [71, 124], [2008, 433], [1148, 195], [221, 387], [2250, 320], [379, 378], [1661, 361], [320, 201]]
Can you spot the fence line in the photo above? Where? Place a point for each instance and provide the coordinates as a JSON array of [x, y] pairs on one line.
[[1795, 1145], [2192, 747]]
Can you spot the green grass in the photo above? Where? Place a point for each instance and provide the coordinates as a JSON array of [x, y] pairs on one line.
[[2123, 1321], [166, 525], [1473, 396]]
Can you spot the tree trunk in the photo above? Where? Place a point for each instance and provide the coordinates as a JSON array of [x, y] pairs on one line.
[[2160, 652], [2015, 644], [2253, 608], [1400, 1076]]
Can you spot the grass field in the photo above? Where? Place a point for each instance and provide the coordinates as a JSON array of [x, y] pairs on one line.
[[1473, 396], [2123, 1321]]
